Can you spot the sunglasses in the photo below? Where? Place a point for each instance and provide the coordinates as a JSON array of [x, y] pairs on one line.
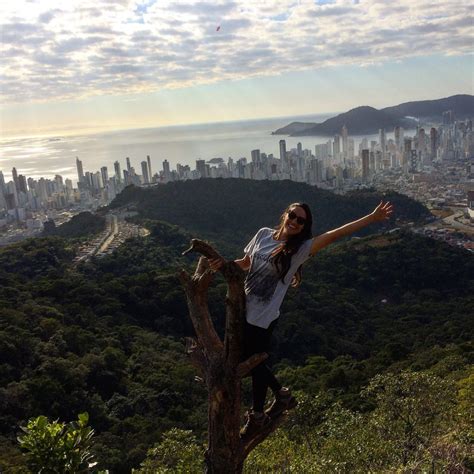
[[300, 220]]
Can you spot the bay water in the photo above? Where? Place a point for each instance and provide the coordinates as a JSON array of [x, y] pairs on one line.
[[48, 156]]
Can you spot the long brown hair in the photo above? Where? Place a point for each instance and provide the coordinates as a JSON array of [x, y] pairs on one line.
[[282, 255]]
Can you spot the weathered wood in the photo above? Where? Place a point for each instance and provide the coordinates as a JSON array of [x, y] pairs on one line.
[[196, 294], [257, 438], [245, 367], [235, 313], [196, 355], [220, 363], [203, 248]]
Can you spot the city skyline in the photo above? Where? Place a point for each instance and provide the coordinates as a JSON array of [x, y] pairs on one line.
[[340, 146], [131, 64], [433, 165], [335, 163]]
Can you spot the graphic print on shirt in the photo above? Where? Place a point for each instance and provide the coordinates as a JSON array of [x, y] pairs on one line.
[[262, 280]]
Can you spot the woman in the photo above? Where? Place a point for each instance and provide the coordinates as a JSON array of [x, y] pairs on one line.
[[273, 259]]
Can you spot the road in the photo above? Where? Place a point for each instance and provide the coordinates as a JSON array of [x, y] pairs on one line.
[[452, 222], [111, 236]]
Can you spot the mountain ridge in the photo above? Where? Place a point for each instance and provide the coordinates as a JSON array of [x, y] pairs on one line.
[[365, 119]]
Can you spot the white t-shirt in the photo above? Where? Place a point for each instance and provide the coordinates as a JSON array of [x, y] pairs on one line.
[[264, 290]]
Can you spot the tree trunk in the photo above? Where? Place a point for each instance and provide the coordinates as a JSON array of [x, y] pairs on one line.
[[220, 363]]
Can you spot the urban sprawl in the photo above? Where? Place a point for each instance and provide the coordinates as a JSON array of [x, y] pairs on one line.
[[434, 166]]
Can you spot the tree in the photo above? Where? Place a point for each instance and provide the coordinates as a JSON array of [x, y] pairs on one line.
[[412, 410], [54, 447], [178, 451], [220, 364]]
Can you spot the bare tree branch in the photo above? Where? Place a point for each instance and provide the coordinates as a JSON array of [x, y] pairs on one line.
[[202, 267], [244, 368], [196, 294], [196, 355], [261, 435], [203, 248]]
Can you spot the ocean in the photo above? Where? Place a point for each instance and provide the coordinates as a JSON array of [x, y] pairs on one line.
[[47, 156]]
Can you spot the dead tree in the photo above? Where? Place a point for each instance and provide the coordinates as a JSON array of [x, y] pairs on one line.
[[220, 362]]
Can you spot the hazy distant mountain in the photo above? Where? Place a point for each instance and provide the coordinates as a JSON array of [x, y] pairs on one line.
[[462, 105], [360, 120], [367, 119]]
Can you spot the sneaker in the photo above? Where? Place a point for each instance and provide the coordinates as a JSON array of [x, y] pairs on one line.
[[284, 401], [253, 424]]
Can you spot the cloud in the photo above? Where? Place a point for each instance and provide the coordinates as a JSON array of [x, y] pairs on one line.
[[71, 50], [46, 17], [76, 44], [329, 10], [51, 60]]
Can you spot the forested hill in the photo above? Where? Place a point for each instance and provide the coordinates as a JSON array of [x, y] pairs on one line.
[[231, 210], [106, 337]]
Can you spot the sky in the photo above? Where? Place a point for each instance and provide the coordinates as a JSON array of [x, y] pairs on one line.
[[70, 67]]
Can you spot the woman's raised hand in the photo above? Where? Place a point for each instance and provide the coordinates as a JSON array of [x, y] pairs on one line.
[[216, 263], [382, 212]]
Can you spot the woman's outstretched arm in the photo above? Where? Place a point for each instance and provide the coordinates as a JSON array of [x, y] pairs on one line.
[[381, 213]]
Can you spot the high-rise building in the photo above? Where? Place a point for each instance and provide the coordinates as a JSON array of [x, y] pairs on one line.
[[448, 117], [3, 191], [126, 177], [150, 173], [344, 137], [96, 179], [398, 134], [2, 183], [3, 202], [166, 170], [413, 161], [80, 171], [11, 195], [365, 165], [421, 139], [88, 179], [15, 179], [283, 159], [433, 142], [255, 157], [22, 186], [118, 174], [407, 145], [322, 151], [129, 166], [382, 142], [201, 168], [337, 147], [58, 179], [31, 184], [372, 165], [42, 189], [146, 178], [299, 149], [105, 175], [350, 145]]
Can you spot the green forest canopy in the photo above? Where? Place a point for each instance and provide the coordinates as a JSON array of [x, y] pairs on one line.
[[106, 337]]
